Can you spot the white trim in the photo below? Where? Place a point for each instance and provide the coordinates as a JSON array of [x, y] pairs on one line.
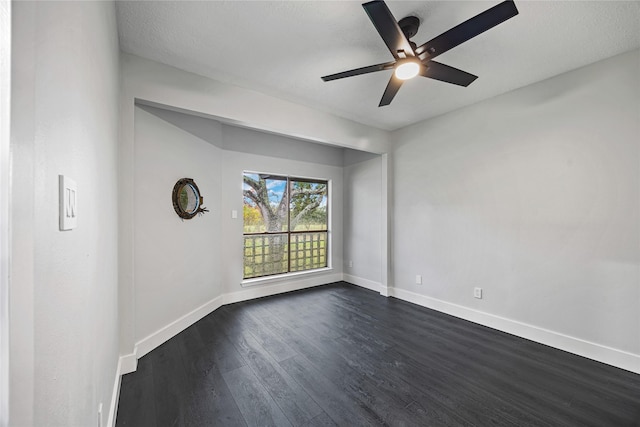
[[363, 283], [246, 283], [601, 353], [386, 212], [289, 286], [152, 341], [115, 396], [5, 186], [128, 362], [261, 280], [162, 335]]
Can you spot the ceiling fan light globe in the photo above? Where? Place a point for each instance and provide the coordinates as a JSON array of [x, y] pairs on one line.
[[407, 70]]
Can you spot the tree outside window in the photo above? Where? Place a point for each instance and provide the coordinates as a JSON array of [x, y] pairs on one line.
[[285, 224]]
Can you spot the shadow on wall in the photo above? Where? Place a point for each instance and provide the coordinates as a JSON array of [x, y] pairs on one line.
[[245, 140]]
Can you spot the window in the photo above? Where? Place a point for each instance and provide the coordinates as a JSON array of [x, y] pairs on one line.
[[285, 224]]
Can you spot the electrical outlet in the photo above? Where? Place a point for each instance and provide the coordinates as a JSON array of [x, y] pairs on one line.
[[418, 279], [477, 292], [350, 264]]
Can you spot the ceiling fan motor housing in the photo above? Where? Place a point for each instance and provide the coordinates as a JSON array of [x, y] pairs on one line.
[[409, 26]]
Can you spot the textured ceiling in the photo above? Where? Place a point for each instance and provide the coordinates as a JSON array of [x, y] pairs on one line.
[[281, 48]]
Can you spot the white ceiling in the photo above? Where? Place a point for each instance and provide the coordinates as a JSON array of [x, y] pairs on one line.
[[282, 48]]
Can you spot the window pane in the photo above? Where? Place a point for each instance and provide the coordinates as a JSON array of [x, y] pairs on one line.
[[265, 255], [308, 205], [285, 224], [265, 203], [308, 250]]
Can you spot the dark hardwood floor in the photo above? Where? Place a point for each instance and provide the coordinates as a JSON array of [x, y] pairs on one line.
[[342, 355]]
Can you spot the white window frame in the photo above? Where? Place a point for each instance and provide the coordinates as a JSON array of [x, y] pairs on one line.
[[329, 244]]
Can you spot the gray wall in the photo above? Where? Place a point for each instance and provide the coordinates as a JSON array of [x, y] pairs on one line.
[[250, 141], [151, 83], [363, 219], [177, 262], [182, 266], [64, 324], [533, 196]]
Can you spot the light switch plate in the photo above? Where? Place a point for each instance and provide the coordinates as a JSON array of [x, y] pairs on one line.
[[68, 203]]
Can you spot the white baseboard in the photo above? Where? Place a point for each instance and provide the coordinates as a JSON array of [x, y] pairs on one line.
[[590, 350], [288, 286], [128, 363], [152, 341], [115, 396], [610, 356], [367, 284], [363, 283]]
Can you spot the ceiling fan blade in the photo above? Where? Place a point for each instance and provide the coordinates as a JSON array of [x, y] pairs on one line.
[[388, 28], [444, 73], [358, 71], [467, 30], [392, 88]]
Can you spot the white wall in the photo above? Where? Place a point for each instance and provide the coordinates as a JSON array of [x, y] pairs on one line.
[[185, 269], [157, 83], [269, 145], [533, 196], [235, 164], [177, 262], [248, 141], [64, 323], [362, 208], [151, 83], [5, 104]]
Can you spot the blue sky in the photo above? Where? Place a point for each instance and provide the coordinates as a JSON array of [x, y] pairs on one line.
[[276, 189]]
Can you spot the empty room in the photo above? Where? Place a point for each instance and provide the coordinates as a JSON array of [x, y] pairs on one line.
[[319, 213]]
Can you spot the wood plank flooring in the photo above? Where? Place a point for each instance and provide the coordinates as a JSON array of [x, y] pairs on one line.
[[342, 355]]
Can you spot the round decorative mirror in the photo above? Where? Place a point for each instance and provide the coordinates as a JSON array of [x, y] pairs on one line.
[[187, 200]]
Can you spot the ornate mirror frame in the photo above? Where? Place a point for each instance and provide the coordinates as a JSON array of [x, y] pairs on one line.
[[187, 200]]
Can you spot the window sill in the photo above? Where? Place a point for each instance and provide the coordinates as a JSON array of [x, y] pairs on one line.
[[282, 277]]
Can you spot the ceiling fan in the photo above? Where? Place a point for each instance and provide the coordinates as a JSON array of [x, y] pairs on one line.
[[411, 60]]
